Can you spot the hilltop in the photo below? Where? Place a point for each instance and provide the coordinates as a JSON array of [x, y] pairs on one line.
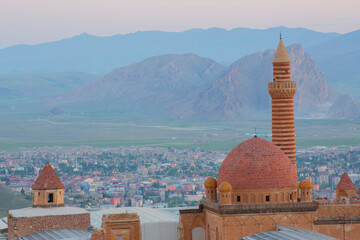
[[10, 200]]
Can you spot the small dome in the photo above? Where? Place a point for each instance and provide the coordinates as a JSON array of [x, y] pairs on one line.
[[210, 182], [225, 187], [306, 183], [257, 164]]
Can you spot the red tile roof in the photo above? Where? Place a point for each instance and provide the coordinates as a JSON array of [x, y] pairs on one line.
[[257, 164], [345, 183], [48, 179]]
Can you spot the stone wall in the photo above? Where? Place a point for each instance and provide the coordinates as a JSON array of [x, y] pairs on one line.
[[275, 195], [22, 226], [235, 226], [341, 221]]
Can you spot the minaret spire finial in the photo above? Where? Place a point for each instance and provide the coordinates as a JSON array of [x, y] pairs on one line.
[[280, 35]]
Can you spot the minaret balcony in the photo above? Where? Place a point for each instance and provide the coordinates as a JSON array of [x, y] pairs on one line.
[[282, 89]]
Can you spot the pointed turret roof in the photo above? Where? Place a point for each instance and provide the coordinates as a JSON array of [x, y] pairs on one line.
[[281, 55], [345, 183], [48, 179]]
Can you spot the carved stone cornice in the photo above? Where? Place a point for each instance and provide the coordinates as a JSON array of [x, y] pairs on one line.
[[282, 89]]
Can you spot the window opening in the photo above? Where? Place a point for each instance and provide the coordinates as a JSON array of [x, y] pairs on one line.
[[51, 197]]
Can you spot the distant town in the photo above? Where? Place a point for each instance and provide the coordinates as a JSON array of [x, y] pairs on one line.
[[98, 178]]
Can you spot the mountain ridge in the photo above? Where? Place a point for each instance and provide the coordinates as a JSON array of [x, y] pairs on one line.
[[92, 54], [174, 86]]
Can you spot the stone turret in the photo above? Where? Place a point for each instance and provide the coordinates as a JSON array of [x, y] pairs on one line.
[[48, 212], [225, 195], [305, 190], [210, 187], [345, 188], [282, 91], [48, 190]]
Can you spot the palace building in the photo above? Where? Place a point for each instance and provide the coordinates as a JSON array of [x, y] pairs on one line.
[[256, 195], [257, 189]]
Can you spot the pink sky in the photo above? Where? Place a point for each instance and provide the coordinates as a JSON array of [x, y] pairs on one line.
[[35, 21]]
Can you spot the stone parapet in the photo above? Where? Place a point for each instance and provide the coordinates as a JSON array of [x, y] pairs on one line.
[[337, 220], [261, 208], [193, 210]]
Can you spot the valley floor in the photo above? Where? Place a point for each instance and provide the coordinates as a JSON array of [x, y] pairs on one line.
[[114, 130]]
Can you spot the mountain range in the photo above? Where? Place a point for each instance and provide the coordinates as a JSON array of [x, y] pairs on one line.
[[153, 86], [228, 81], [189, 86], [100, 55], [243, 89]]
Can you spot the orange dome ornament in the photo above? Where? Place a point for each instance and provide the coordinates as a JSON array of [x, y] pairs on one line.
[[210, 182], [306, 183], [225, 187]]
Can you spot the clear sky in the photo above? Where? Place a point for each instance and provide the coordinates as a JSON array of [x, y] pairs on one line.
[[35, 21]]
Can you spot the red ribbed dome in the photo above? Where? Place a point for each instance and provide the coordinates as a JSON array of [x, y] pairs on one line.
[[257, 164]]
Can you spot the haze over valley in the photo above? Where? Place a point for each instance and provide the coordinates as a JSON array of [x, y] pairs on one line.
[[98, 90]]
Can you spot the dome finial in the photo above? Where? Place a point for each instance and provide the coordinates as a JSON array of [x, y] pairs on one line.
[[280, 35], [255, 133]]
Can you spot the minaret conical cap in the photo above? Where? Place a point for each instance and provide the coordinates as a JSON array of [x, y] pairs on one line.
[[345, 183], [48, 179], [281, 55]]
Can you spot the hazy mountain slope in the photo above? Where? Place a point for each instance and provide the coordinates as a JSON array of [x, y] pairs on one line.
[[339, 58], [243, 89], [10, 200], [45, 85], [22, 91], [154, 85], [86, 53], [188, 86], [345, 107]]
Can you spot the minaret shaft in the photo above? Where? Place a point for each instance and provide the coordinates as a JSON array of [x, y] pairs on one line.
[[282, 91]]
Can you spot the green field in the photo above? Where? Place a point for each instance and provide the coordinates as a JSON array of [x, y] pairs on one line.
[[19, 130]]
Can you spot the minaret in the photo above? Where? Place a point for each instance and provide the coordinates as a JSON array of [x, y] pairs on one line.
[[282, 91]]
